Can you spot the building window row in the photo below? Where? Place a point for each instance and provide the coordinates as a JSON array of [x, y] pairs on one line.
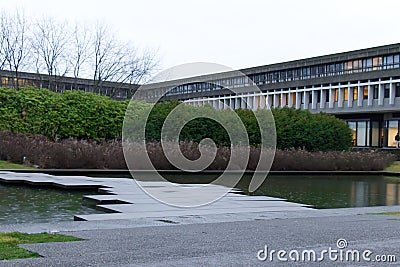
[[323, 70]]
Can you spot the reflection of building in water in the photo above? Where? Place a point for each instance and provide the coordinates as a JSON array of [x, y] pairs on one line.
[[359, 196], [392, 194], [374, 193]]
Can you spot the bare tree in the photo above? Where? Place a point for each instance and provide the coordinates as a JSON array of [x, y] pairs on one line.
[[50, 42], [139, 68], [80, 51], [119, 62], [108, 57], [14, 44]]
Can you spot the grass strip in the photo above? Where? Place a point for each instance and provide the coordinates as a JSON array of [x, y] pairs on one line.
[[9, 165], [9, 249]]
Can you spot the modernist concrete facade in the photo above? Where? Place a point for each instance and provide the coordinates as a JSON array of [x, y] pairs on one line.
[[361, 87]]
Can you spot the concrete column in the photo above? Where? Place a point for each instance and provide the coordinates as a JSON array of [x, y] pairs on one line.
[[290, 98], [283, 100], [262, 101], [256, 102], [243, 103], [331, 96], [381, 93], [392, 93], [340, 96], [298, 99], [276, 100], [350, 95], [360, 95], [237, 102], [269, 100], [250, 100], [314, 99], [323, 98], [306, 100], [370, 94]]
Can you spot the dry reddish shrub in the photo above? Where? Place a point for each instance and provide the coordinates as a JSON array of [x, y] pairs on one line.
[[87, 154]]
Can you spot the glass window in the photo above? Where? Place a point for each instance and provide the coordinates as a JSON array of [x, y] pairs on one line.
[[388, 62], [355, 93], [397, 89], [376, 91], [336, 94], [375, 133], [348, 66], [377, 63], [396, 60], [393, 129], [353, 128], [361, 133], [386, 91], [346, 94], [339, 68], [365, 90]]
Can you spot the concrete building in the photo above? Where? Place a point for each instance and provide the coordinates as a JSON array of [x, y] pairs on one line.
[[361, 87]]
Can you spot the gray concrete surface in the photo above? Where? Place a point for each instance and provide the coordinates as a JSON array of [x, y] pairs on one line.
[[234, 243]]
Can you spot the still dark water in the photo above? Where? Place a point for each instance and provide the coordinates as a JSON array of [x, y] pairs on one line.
[[323, 191], [334, 192], [24, 204]]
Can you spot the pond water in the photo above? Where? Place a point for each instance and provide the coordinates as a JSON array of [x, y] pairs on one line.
[[24, 204], [323, 192], [335, 192]]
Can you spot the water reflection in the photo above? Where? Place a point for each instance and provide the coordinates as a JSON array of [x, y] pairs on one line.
[[325, 191], [24, 204], [333, 191]]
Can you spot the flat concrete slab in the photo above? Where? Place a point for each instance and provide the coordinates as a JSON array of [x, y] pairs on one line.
[[124, 198]]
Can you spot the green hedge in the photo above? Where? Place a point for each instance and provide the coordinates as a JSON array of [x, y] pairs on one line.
[[87, 115], [70, 114]]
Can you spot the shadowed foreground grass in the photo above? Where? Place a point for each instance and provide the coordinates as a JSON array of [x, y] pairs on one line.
[[9, 165], [9, 249]]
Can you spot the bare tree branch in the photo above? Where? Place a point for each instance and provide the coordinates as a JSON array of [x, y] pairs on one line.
[[14, 44]]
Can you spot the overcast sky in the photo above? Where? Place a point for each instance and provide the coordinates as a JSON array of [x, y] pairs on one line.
[[234, 33]]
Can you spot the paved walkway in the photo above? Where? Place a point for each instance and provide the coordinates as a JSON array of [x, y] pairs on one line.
[[229, 243]]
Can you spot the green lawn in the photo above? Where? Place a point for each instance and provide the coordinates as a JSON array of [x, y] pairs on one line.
[[394, 167], [9, 249], [9, 165]]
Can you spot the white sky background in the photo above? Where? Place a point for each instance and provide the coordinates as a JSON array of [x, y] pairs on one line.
[[234, 33]]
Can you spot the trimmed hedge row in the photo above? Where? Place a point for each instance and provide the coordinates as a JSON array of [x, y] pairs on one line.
[[89, 116], [70, 114]]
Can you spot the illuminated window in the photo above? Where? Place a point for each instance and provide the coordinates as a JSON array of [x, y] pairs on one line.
[[377, 63], [336, 95], [346, 94], [365, 90], [355, 93]]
